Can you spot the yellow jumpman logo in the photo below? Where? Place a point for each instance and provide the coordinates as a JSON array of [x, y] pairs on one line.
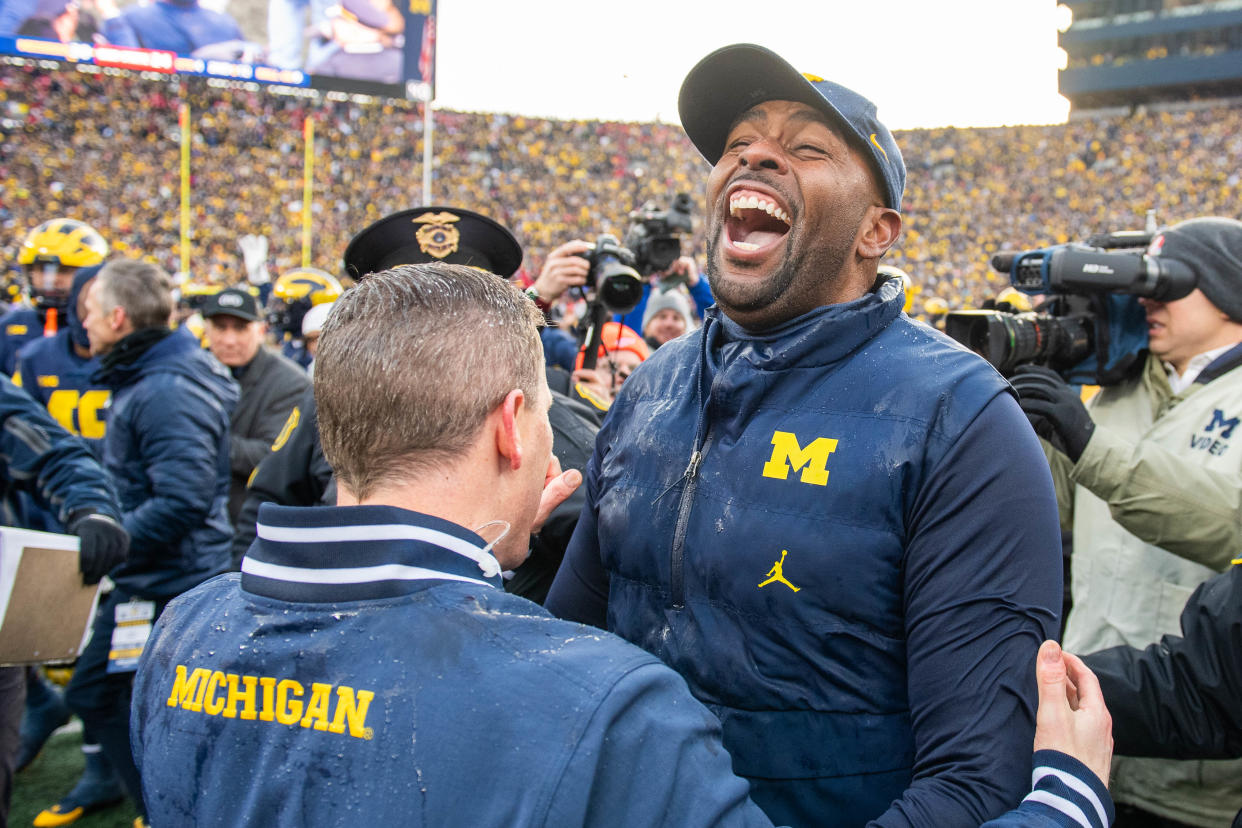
[[776, 573]]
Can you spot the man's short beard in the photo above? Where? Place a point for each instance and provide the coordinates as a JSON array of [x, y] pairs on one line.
[[761, 295], [781, 293]]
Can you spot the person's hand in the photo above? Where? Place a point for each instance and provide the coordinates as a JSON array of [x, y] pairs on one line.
[[684, 269], [1051, 405], [104, 544], [597, 380], [562, 270], [1072, 716], [557, 487]]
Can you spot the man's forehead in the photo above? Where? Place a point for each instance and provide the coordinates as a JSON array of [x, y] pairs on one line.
[[800, 114]]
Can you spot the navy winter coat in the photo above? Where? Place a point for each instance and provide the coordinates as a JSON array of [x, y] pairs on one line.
[[167, 449]]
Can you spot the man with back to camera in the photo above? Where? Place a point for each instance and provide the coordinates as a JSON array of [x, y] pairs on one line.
[[366, 666], [1150, 482], [270, 384], [806, 507]]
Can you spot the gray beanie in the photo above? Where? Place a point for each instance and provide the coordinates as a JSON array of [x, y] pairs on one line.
[[1212, 248], [658, 301]]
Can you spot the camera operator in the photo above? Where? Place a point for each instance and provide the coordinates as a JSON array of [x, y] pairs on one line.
[[1144, 451]]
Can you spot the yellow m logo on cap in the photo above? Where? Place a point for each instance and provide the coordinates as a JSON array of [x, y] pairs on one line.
[[788, 453]]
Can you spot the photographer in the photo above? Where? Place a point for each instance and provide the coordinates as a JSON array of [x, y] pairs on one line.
[[1147, 480], [565, 268]]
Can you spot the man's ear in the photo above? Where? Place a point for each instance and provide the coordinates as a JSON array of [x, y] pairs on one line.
[[117, 317], [879, 231], [508, 435]]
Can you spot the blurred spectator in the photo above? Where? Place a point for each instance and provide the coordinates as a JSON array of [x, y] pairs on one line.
[[621, 350], [667, 316], [270, 384], [166, 450]]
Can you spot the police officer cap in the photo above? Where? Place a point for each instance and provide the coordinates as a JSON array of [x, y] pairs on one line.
[[433, 234]]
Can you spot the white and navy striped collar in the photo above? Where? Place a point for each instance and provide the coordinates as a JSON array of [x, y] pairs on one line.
[[358, 553]]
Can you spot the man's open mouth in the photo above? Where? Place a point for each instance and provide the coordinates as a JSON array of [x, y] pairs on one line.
[[756, 221]]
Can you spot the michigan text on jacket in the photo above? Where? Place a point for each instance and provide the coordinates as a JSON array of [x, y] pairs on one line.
[[271, 699]]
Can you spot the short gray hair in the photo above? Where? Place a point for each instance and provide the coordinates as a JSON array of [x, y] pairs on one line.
[[144, 290], [412, 361]]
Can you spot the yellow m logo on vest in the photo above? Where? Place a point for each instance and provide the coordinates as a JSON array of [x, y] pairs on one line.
[[787, 453]]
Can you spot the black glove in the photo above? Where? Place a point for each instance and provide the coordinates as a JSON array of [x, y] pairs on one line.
[[104, 543], [1053, 408]]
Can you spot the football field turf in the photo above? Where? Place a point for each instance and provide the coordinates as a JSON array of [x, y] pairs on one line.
[[50, 776]]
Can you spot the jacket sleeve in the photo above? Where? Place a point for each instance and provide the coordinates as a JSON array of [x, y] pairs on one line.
[[701, 293], [652, 753], [1163, 499], [983, 590], [54, 466], [1066, 794], [1178, 698], [179, 431], [580, 589], [280, 392]]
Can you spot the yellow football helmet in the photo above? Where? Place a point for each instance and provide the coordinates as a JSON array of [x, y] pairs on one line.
[[295, 293], [64, 242]]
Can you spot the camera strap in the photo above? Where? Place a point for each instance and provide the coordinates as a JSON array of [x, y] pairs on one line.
[[1222, 365]]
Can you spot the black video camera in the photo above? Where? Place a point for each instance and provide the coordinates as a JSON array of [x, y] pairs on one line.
[[618, 287], [655, 235], [1090, 328]]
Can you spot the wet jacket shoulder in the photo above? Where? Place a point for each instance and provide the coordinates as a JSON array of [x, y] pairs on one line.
[[56, 468], [166, 448], [435, 699], [833, 493]]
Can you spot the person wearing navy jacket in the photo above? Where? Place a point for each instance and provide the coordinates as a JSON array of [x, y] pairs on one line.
[[366, 665], [166, 450], [831, 520]]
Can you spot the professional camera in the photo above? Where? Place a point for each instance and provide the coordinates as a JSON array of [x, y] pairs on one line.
[[655, 235], [1090, 327], [618, 287]]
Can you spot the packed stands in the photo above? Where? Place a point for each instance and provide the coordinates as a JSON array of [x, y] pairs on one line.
[[103, 147]]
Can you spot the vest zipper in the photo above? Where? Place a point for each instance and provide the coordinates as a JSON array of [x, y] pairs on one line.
[[677, 555]]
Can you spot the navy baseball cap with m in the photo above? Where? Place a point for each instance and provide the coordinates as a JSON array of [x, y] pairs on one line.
[[735, 78]]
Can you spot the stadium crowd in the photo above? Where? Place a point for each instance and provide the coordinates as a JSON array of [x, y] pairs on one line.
[[103, 147], [916, 662]]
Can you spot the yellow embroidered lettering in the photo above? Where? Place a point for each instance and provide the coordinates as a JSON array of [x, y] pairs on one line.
[[788, 452], [212, 705], [288, 711], [353, 711], [268, 714], [317, 707], [184, 689]]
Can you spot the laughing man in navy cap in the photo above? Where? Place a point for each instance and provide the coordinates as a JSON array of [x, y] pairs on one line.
[[807, 506]]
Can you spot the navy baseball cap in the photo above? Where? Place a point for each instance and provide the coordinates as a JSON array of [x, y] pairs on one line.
[[433, 234], [731, 80]]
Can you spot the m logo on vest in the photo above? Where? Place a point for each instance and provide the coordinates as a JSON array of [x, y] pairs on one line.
[[788, 453], [1213, 441]]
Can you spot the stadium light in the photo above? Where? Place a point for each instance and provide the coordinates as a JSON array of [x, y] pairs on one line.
[[1065, 18]]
